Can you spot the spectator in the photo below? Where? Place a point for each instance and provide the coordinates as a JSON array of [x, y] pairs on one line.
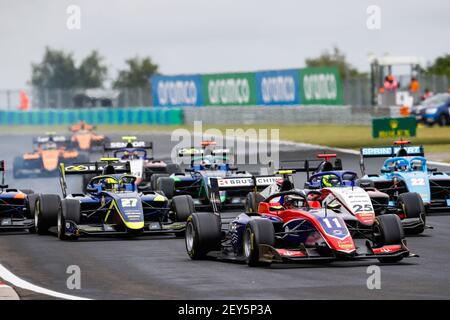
[[414, 86], [390, 83]]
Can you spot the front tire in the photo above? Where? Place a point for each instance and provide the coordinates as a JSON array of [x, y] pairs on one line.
[[70, 210], [411, 204], [203, 234], [252, 202], [258, 232], [46, 212], [388, 230]]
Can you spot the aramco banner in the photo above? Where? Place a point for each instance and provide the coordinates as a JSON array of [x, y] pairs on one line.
[[236, 89], [175, 91], [322, 86], [278, 87]]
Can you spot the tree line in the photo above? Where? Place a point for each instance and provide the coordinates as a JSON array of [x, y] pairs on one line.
[[58, 69]]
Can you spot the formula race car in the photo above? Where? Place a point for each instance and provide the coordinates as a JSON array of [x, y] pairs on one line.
[[112, 206], [295, 230], [140, 156], [49, 151], [352, 198], [16, 206], [84, 138], [406, 170], [195, 182]]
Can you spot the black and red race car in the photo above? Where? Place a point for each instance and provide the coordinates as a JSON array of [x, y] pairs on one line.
[[289, 227]]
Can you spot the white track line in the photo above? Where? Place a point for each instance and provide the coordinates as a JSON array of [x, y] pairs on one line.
[[14, 280]]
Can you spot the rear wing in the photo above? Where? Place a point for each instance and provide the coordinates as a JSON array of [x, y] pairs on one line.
[[50, 138], [245, 184], [95, 168], [388, 152], [190, 152], [307, 165], [117, 145]]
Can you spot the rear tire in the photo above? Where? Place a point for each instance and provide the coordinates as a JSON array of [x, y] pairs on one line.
[[46, 212], [388, 230], [252, 202], [154, 178], [183, 207], [412, 205], [166, 185], [31, 203], [203, 234], [257, 232]]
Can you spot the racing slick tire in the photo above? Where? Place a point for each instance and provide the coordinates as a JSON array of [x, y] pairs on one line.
[[257, 232], [166, 185], [173, 168], [252, 202], [70, 210], [154, 178], [203, 234], [411, 204], [388, 230], [31, 203], [183, 207], [46, 212]]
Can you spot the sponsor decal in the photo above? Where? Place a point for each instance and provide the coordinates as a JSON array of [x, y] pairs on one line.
[[177, 90], [278, 87]]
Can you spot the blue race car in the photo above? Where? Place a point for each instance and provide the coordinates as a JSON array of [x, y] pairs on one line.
[[406, 170], [112, 205], [16, 206], [434, 110], [195, 181]]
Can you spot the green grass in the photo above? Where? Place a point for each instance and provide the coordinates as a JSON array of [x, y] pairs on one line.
[[435, 139]]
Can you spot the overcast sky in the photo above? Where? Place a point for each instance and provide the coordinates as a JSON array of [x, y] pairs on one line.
[[195, 36]]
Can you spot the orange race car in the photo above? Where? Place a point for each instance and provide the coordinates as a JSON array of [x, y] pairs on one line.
[[84, 138], [44, 160]]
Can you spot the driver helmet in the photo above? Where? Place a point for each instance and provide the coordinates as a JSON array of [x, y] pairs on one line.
[[110, 184], [51, 145], [292, 202], [135, 155], [401, 165], [330, 180], [126, 155]]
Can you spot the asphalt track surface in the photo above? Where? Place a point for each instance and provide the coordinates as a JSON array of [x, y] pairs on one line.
[[159, 268]]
